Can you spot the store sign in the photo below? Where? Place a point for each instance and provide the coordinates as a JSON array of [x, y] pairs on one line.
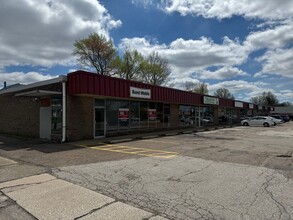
[[210, 100], [238, 104], [152, 114], [140, 93], [251, 106], [123, 113]]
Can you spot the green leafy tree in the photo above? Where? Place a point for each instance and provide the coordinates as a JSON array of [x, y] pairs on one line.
[[95, 52], [223, 93], [129, 67], [266, 98], [154, 69], [199, 87]]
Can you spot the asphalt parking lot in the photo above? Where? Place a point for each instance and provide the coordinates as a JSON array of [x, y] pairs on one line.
[[233, 173]]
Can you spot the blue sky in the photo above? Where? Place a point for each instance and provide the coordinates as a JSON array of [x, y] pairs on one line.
[[242, 45]]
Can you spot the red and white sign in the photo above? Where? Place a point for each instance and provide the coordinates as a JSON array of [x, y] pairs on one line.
[[152, 114], [123, 114]]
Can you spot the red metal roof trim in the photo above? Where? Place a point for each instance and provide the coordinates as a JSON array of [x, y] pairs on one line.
[[82, 82]]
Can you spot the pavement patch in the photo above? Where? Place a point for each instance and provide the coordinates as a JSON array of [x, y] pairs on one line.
[[5, 161], [46, 197]]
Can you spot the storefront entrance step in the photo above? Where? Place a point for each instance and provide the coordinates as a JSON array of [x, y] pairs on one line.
[[119, 141], [187, 132], [149, 137], [171, 134]]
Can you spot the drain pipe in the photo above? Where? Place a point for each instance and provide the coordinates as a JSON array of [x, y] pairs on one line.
[[63, 109]]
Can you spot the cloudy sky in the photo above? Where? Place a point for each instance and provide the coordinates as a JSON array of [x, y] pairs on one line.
[[243, 45]]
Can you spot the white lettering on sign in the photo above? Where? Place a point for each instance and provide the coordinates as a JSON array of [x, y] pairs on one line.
[[140, 93], [238, 104]]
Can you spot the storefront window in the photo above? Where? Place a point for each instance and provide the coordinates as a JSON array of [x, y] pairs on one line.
[[187, 115], [123, 115], [112, 115], [143, 115], [56, 119], [160, 115], [222, 116], [117, 115], [99, 103], [166, 115], [208, 116], [152, 115], [234, 118], [134, 115]]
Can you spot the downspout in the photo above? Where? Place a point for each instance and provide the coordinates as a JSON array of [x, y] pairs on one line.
[[63, 110]]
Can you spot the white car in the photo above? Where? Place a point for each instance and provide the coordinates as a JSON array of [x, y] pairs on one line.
[[277, 121], [258, 121]]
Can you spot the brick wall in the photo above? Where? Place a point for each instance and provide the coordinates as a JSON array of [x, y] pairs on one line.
[[80, 116], [19, 115]]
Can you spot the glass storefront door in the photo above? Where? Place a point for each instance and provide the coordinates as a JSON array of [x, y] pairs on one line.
[[99, 122]]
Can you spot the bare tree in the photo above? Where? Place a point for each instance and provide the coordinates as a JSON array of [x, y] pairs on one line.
[[199, 87], [95, 52], [223, 93], [266, 98], [154, 69]]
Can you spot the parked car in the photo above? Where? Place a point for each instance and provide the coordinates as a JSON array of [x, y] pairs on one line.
[[277, 121], [188, 120], [285, 118], [258, 121], [278, 117]]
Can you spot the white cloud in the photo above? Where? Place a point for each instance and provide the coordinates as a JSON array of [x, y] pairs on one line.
[[22, 78], [145, 3], [288, 95], [277, 62], [222, 73], [189, 56], [43, 32], [274, 37], [264, 9], [241, 89]]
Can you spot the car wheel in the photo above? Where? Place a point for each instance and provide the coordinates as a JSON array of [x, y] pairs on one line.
[[245, 124], [266, 124]]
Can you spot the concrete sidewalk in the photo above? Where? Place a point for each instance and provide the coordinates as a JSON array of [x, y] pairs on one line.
[[148, 135], [46, 197]]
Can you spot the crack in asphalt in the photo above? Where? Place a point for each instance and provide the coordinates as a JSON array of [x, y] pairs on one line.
[[124, 183], [94, 210]]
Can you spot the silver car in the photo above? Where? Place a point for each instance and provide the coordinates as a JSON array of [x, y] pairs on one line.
[[277, 121], [258, 121]]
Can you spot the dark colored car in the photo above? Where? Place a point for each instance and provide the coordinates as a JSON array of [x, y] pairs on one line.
[[285, 118]]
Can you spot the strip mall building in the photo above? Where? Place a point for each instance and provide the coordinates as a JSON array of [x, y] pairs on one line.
[[84, 105]]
